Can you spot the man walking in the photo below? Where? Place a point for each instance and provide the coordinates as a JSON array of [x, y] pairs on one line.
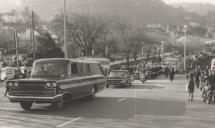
[[171, 74], [197, 76]]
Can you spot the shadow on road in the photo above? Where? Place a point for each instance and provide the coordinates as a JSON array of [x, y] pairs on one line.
[[141, 86], [145, 86], [109, 107]]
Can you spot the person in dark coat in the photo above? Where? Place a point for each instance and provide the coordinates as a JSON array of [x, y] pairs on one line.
[[211, 82], [171, 74], [191, 86], [166, 71], [197, 74]]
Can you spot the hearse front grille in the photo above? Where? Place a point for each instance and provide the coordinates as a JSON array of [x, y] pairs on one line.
[[33, 86], [32, 89]]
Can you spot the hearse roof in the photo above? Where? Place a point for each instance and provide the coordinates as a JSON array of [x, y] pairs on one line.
[[71, 60]]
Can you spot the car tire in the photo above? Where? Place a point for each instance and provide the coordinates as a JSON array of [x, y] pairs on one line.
[[26, 105]]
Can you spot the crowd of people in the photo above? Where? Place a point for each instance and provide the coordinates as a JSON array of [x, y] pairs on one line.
[[203, 79], [17, 75]]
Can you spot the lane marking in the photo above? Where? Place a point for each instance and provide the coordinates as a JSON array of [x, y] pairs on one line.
[[122, 99], [143, 90], [68, 122]]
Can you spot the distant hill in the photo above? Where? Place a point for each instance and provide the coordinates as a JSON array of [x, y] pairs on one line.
[[145, 11], [199, 8]]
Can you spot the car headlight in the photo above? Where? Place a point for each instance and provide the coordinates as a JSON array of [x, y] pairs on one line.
[[54, 84], [48, 84], [16, 84]]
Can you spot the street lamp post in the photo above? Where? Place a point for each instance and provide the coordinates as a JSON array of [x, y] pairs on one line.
[[65, 31], [185, 34]]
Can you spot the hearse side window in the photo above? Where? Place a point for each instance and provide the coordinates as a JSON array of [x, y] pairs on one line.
[[96, 69], [87, 68], [74, 69], [83, 69]]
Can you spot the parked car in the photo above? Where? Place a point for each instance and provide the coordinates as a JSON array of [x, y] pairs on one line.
[[57, 81], [119, 78], [7, 73]]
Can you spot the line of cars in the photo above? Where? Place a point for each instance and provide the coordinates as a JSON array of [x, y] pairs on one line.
[[122, 78], [59, 80]]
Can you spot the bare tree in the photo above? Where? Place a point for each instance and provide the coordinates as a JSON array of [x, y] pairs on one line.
[[82, 30]]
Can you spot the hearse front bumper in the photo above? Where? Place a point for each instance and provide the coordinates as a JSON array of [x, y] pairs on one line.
[[38, 99]]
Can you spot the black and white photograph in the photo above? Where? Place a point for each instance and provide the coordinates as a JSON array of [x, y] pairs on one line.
[[107, 63]]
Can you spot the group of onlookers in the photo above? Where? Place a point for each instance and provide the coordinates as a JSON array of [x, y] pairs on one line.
[[203, 79]]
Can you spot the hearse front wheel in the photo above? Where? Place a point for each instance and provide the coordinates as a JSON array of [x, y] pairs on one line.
[[26, 105]]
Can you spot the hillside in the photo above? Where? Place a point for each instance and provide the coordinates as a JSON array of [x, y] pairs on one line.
[[145, 11], [199, 8]]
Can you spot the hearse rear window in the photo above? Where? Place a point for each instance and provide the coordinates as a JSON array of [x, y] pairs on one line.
[[53, 68]]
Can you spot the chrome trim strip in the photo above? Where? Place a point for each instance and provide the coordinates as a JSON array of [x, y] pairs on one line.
[[35, 97]]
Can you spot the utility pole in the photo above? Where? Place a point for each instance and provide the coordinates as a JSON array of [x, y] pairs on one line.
[[173, 43], [32, 34], [16, 45], [185, 34], [65, 31]]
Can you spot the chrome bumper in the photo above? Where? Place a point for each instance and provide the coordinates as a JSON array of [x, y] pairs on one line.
[[35, 98]]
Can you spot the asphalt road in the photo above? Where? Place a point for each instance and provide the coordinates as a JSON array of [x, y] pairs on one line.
[[155, 104]]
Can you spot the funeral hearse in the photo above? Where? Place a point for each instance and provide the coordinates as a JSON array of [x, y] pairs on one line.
[[57, 80]]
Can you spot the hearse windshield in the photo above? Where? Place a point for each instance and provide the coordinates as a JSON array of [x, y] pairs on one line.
[[52, 68]]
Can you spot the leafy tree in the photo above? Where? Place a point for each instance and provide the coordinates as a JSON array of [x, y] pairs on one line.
[[47, 48]]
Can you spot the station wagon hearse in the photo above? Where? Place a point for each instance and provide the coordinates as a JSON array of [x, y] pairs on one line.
[[57, 80], [118, 78]]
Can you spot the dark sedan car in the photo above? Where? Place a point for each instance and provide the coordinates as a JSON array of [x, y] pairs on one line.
[[118, 78]]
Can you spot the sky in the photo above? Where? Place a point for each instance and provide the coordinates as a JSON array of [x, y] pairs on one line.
[[6, 5], [189, 1]]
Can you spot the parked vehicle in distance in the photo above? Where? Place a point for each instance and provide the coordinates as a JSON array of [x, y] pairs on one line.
[[7, 73], [56, 81], [118, 78], [142, 77]]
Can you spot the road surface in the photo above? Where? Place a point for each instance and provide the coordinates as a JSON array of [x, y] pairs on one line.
[[155, 104]]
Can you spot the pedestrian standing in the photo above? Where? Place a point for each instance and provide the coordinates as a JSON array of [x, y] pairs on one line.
[[6, 88], [196, 77], [211, 83], [191, 86], [166, 71], [171, 74]]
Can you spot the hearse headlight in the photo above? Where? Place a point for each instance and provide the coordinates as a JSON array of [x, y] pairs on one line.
[[16, 84], [54, 84], [48, 84], [10, 84]]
